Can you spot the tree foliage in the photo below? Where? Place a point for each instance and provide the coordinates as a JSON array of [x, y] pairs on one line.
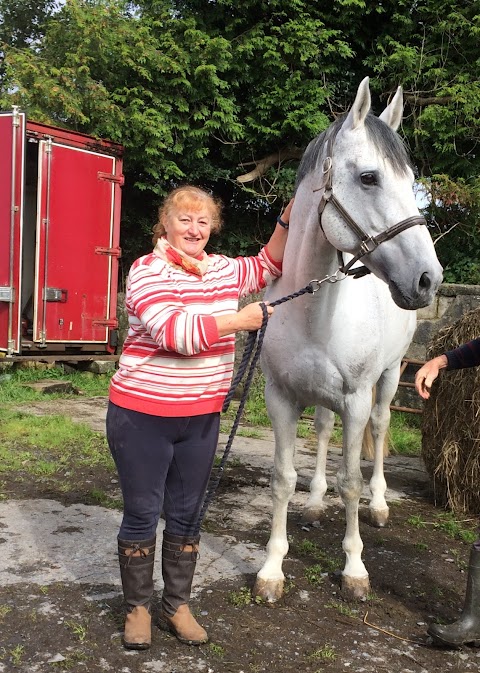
[[201, 91]]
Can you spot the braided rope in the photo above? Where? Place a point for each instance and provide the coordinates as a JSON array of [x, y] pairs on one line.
[[251, 354]]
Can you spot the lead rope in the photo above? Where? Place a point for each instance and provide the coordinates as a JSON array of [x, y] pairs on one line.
[[251, 353]]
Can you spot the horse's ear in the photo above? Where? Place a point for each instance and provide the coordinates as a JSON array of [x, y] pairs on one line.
[[393, 113], [360, 107]]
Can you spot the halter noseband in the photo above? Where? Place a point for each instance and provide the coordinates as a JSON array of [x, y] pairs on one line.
[[367, 243]]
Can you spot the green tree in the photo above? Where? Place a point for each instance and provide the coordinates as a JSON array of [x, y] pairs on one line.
[[204, 91]]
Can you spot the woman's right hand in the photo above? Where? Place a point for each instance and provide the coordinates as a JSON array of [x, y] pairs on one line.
[[251, 316], [249, 319]]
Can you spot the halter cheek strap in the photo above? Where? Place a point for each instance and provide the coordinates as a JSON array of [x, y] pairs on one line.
[[367, 243]]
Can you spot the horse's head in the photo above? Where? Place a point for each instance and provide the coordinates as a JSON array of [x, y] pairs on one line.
[[369, 195]]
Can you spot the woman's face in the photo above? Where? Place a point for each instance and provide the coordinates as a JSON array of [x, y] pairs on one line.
[[188, 228]]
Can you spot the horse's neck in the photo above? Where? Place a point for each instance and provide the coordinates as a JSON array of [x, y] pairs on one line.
[[308, 254]]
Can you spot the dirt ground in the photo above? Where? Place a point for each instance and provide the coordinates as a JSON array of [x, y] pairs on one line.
[[417, 574]]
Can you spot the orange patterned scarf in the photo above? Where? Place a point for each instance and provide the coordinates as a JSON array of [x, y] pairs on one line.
[[178, 259]]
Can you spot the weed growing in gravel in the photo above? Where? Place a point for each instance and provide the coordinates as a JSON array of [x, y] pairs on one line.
[[449, 524], [217, 650], [240, 598], [4, 610], [78, 630], [314, 575], [16, 654], [421, 546], [342, 608], [325, 653], [309, 548]]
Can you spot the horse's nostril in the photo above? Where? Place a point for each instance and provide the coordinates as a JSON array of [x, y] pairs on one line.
[[425, 282]]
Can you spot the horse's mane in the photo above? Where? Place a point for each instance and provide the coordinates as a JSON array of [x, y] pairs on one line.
[[385, 140]]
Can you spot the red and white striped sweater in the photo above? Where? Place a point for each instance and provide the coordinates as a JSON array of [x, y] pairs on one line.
[[174, 363]]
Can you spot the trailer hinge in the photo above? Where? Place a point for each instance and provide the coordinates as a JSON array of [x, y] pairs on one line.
[[113, 252], [7, 294], [110, 177], [112, 323]]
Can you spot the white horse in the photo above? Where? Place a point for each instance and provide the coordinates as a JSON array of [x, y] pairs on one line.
[[354, 194]]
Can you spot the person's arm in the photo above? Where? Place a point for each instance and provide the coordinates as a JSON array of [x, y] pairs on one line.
[[278, 239], [427, 374]]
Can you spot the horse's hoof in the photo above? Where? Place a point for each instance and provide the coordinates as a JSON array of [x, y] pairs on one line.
[[268, 590], [355, 588], [379, 517], [312, 514]]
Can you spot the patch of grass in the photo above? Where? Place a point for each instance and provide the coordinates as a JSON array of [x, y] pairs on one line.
[[79, 630], [249, 432], [416, 521], [314, 575], [101, 498], [4, 610], [421, 546], [454, 528], [16, 654], [325, 653], [217, 650], [240, 598], [342, 608], [13, 388], [449, 524], [405, 434], [308, 548], [50, 448]]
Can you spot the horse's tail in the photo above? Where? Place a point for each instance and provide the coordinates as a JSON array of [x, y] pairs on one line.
[[367, 443]]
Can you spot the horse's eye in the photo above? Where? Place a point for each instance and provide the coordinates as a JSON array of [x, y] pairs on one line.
[[368, 179]]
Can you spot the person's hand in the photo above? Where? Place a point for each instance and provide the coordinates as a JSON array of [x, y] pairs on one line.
[[250, 318], [285, 216], [427, 374]]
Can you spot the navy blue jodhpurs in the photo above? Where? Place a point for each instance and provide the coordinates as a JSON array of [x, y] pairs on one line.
[[164, 464]]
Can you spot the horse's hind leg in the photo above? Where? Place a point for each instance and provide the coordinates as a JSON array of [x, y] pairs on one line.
[[324, 420], [380, 421], [284, 416]]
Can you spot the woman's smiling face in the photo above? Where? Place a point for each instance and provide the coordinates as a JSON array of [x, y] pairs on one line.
[[188, 227]]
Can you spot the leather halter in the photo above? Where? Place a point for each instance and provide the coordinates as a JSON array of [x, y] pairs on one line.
[[367, 243]]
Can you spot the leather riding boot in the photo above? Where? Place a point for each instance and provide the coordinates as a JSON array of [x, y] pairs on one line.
[[136, 570], [466, 630], [179, 558]]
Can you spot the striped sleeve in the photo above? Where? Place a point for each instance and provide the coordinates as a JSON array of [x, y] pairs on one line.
[[467, 355], [156, 306], [257, 272]]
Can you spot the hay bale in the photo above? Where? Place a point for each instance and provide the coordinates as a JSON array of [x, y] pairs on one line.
[[451, 424]]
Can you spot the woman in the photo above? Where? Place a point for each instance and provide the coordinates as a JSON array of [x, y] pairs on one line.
[[466, 630], [166, 396]]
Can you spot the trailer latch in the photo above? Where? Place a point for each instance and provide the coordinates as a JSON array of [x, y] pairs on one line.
[[113, 252], [110, 177], [112, 323], [7, 294], [55, 294]]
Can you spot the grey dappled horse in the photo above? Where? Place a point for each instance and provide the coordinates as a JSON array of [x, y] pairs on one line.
[[354, 194]]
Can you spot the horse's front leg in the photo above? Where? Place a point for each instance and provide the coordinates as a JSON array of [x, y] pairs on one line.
[[355, 582], [284, 416], [380, 417], [324, 421]]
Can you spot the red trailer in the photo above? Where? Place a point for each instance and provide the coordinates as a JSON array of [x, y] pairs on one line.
[[60, 198]]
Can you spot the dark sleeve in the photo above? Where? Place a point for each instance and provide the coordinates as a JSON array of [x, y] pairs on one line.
[[467, 355]]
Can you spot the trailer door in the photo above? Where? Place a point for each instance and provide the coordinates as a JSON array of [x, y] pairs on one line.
[[74, 245], [12, 146]]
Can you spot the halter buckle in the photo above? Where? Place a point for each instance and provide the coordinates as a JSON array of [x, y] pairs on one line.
[[368, 245]]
